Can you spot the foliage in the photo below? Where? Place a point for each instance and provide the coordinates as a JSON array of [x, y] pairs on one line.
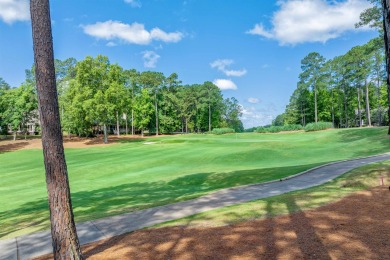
[[318, 126], [221, 131], [342, 90], [277, 129]]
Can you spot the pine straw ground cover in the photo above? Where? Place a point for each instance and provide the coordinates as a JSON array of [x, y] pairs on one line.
[[355, 227]]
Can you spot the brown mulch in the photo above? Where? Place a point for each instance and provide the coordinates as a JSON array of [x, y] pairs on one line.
[[356, 227], [74, 142]]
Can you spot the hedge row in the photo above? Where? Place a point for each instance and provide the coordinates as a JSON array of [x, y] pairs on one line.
[[308, 128], [221, 131]]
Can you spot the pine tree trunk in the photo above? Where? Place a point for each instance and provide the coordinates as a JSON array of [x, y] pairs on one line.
[[379, 102], [63, 230], [368, 112], [155, 103], [117, 124], [126, 126], [359, 108], [386, 35], [315, 103], [209, 118], [332, 110], [105, 133], [132, 121], [345, 107]]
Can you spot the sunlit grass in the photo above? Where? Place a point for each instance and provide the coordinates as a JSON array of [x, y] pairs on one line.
[[358, 179], [131, 176]]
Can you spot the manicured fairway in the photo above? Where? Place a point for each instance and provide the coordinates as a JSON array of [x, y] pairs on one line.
[[132, 175]]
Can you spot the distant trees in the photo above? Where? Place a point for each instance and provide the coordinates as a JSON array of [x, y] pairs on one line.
[[348, 90], [98, 95]]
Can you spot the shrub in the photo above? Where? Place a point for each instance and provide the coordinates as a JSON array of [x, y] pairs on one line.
[[277, 129], [221, 131], [318, 126]]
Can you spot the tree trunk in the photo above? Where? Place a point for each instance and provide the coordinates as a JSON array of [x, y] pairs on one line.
[[345, 107], [315, 103], [186, 126], [332, 110], [126, 126], [386, 36], [379, 101], [105, 133], [359, 108], [209, 118], [155, 103], [14, 135], [63, 230], [117, 124], [132, 121], [368, 112]]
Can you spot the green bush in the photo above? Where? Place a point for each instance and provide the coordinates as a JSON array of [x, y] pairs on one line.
[[318, 126], [221, 131], [277, 129]]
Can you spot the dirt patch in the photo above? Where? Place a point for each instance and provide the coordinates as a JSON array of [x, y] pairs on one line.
[[356, 227], [74, 142]]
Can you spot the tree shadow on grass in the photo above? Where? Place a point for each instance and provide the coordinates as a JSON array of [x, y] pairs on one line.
[[373, 135], [327, 233], [131, 197]]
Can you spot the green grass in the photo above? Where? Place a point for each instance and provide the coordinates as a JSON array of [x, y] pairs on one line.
[[131, 175], [358, 179]]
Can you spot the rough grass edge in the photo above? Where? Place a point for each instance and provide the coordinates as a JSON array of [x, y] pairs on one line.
[[358, 179]]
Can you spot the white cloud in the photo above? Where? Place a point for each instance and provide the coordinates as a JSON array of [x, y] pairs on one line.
[[259, 30], [133, 3], [299, 21], [253, 100], [111, 44], [14, 10], [225, 84], [150, 59], [253, 116], [223, 63], [158, 34], [134, 33]]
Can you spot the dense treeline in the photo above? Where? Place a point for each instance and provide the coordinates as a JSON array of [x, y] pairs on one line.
[[348, 90], [96, 97]]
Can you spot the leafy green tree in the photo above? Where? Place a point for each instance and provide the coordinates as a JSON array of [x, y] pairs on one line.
[[153, 81], [169, 105], [232, 113], [372, 16], [20, 108], [311, 75], [143, 110], [133, 87]]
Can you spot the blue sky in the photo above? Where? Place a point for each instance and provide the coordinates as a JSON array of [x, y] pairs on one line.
[[251, 49]]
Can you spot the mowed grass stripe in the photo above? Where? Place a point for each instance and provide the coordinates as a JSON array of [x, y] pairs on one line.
[[131, 175]]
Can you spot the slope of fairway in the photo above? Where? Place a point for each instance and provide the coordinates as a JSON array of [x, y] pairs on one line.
[[132, 175]]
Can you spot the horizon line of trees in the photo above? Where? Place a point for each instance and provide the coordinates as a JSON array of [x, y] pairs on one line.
[[349, 90], [96, 97]]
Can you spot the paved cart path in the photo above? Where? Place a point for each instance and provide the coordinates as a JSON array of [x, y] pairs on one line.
[[36, 244]]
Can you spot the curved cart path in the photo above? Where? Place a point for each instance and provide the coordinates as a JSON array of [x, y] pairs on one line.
[[36, 244]]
